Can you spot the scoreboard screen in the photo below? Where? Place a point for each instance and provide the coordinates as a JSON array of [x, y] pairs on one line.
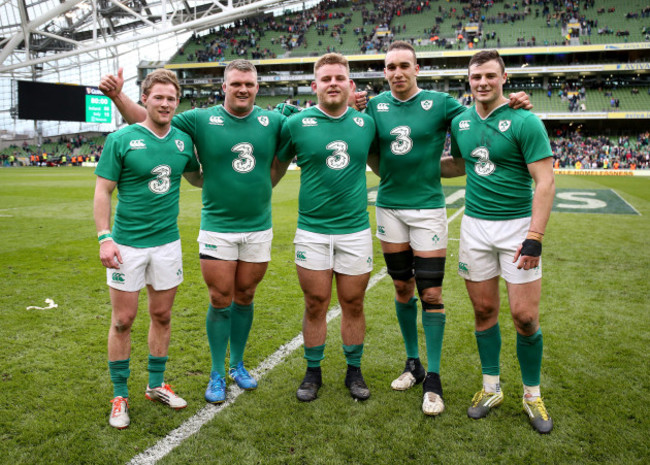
[[63, 102]]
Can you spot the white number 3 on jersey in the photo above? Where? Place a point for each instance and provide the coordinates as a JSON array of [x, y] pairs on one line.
[[402, 143], [483, 167], [246, 160], [161, 184], [340, 158]]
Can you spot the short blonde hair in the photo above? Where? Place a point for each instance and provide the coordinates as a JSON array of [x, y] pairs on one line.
[[331, 59], [244, 66], [160, 76]]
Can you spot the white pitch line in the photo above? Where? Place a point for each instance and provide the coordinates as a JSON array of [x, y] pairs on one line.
[[207, 413], [628, 203]]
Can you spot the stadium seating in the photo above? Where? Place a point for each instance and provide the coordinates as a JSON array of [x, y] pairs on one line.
[[511, 27]]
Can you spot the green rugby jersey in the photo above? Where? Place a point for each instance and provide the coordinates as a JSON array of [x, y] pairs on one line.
[[332, 155], [411, 136], [148, 171], [496, 151], [236, 155]]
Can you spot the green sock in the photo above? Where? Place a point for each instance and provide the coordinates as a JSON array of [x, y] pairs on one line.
[[241, 320], [434, 330], [529, 353], [353, 354], [217, 324], [314, 355], [407, 316], [489, 349], [156, 369], [119, 370]]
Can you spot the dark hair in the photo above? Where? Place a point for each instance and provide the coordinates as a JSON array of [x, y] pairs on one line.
[[402, 45], [487, 55]]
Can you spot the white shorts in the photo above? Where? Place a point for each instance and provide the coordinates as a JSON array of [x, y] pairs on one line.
[[349, 254], [487, 249], [424, 230], [161, 267], [253, 247]]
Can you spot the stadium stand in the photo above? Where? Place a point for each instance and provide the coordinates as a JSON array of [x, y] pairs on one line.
[[368, 26]]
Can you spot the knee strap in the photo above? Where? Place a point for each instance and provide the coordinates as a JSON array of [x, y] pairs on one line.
[[399, 265], [429, 272]]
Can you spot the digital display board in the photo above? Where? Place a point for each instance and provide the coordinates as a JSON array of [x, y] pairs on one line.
[[63, 102]]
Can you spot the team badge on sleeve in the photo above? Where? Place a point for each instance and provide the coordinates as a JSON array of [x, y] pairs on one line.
[[504, 125], [426, 104], [180, 144], [359, 121], [264, 120]]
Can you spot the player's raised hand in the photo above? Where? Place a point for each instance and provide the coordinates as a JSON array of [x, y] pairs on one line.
[[111, 85]]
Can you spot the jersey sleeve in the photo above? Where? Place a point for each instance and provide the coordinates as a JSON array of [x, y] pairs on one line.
[[453, 108], [533, 139], [192, 163], [453, 149], [109, 165], [285, 151], [186, 122]]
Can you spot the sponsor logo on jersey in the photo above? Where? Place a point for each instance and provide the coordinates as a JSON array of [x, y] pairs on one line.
[[435, 239], [381, 230], [504, 125], [264, 120], [179, 272], [162, 183], [484, 166], [301, 255], [218, 120], [359, 121], [463, 125], [383, 107], [180, 144], [426, 104], [309, 122], [369, 261], [137, 144], [462, 268], [210, 246], [117, 277]]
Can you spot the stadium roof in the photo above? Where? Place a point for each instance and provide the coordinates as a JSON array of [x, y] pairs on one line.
[[34, 33]]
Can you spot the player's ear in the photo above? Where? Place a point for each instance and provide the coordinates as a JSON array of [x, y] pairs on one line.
[[313, 86]]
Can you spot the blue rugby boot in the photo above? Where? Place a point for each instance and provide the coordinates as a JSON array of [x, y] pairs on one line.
[[242, 377], [215, 393]]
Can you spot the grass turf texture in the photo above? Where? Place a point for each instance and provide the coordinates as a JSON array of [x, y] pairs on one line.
[[56, 389]]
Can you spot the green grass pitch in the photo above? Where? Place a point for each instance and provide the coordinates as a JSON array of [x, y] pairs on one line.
[[55, 388]]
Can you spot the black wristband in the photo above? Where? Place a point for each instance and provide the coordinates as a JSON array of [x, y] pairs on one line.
[[531, 247]]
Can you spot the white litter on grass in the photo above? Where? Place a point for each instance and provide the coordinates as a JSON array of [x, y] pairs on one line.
[[49, 302]]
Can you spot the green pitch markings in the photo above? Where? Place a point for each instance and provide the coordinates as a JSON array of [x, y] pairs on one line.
[[605, 201]]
